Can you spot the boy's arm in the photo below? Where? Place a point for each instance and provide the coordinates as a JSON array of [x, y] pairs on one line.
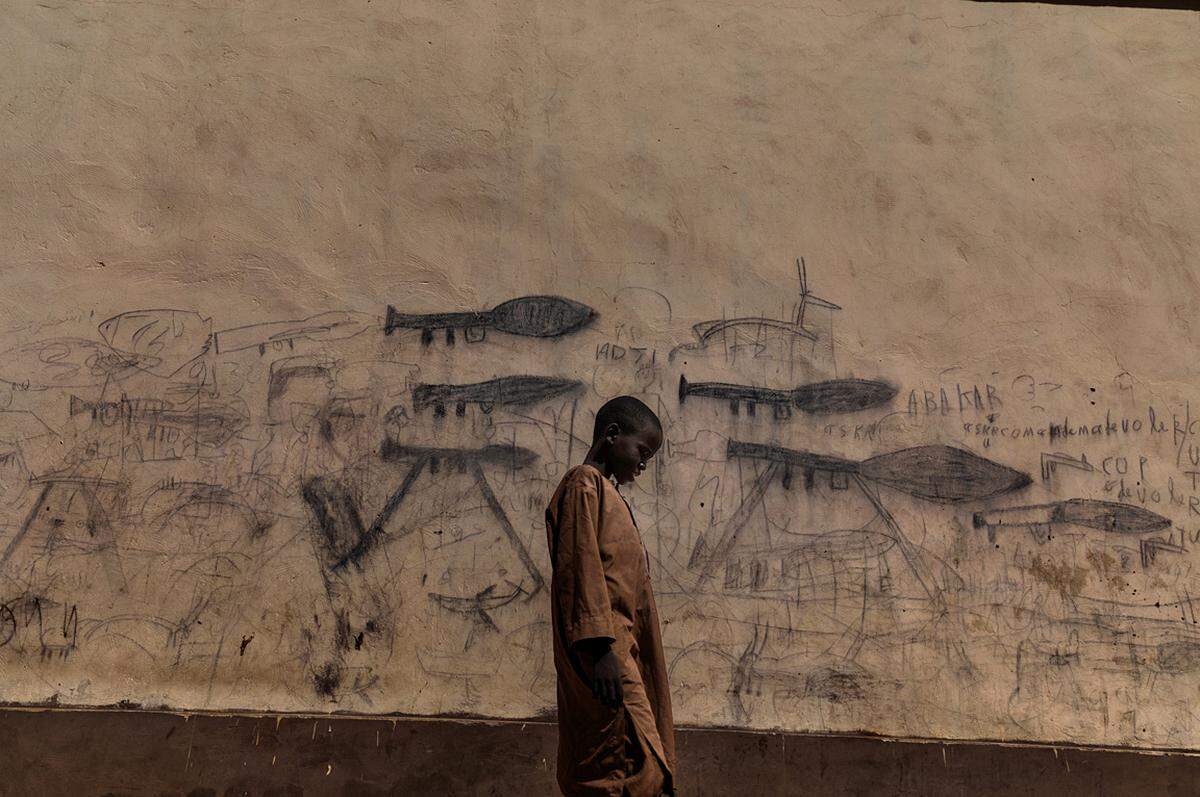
[[582, 595]]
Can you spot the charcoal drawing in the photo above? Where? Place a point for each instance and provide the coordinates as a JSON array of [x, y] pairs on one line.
[[529, 316], [817, 398], [504, 391], [367, 506]]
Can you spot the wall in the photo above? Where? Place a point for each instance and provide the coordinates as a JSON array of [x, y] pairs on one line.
[[229, 478], [125, 753]]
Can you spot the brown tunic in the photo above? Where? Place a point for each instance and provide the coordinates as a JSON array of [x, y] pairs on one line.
[[601, 589]]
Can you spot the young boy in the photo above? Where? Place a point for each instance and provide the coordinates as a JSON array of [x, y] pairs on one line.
[[615, 733]]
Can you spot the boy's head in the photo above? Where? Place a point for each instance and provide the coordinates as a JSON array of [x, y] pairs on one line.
[[627, 434]]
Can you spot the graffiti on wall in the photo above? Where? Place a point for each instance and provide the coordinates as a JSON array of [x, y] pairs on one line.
[[344, 511]]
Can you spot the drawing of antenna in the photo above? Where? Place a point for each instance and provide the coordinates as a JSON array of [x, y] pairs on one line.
[[806, 295]]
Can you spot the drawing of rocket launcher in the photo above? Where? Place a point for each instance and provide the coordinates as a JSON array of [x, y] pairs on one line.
[[528, 316], [210, 425], [1106, 516], [816, 398], [505, 391], [936, 473]]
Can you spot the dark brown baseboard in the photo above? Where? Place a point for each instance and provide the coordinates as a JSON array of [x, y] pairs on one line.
[[66, 752]]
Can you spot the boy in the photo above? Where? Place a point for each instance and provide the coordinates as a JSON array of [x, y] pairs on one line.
[[615, 733]]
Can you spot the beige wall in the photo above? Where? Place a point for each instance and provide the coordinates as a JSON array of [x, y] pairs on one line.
[[1002, 196]]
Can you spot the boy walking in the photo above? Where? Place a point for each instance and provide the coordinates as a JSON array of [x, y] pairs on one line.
[[615, 733]]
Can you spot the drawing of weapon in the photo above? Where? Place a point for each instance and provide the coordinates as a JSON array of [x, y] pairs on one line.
[[1149, 549], [530, 316], [1105, 516], [788, 566], [460, 458], [348, 540], [101, 499], [832, 396], [211, 424], [333, 325], [706, 330], [937, 473], [1051, 462], [515, 391], [477, 606], [780, 400]]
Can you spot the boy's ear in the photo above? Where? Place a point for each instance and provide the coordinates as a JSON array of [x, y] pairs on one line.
[[612, 431]]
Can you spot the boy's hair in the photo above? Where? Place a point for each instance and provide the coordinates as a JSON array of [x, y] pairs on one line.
[[629, 414]]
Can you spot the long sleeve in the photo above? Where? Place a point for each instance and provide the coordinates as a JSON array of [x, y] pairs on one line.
[[579, 586]]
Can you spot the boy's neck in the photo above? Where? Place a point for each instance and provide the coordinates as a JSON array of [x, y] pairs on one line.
[[597, 461]]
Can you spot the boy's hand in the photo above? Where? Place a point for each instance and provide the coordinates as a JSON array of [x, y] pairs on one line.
[[606, 680], [605, 672]]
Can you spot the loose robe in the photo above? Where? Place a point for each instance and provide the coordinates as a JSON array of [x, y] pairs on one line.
[[601, 589]]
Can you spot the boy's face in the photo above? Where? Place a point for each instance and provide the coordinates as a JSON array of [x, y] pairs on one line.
[[629, 452]]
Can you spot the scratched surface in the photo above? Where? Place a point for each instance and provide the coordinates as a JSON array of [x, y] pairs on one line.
[[307, 306]]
